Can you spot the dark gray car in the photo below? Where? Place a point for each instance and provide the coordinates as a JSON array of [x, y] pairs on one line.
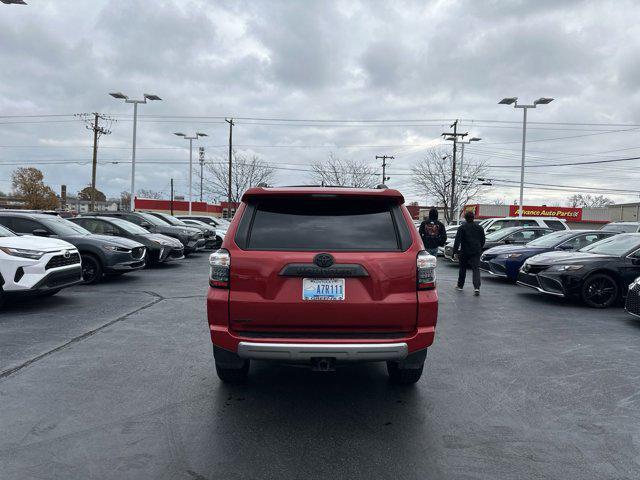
[[100, 254], [191, 238], [160, 248], [208, 231]]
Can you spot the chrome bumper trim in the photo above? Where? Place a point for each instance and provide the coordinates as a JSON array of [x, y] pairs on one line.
[[541, 290], [342, 352]]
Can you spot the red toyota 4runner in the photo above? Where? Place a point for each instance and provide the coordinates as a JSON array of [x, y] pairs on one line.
[[321, 276]]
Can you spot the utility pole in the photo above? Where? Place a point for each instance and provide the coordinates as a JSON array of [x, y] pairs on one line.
[[384, 159], [230, 122], [171, 196], [454, 138], [98, 131], [201, 152]]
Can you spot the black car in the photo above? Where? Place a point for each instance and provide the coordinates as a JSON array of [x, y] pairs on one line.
[[100, 254], [208, 231], [191, 238], [160, 248], [599, 273], [505, 236], [633, 298], [506, 260]]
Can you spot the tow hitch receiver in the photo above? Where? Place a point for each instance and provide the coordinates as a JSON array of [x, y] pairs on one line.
[[323, 364]]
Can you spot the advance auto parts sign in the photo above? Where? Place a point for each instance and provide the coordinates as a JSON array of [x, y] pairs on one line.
[[568, 213]]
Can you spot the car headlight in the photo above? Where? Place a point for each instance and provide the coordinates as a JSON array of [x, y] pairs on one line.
[[115, 248], [635, 283], [21, 252], [564, 268], [186, 232], [513, 255]]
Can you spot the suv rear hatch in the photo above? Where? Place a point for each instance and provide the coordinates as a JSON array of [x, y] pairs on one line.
[[283, 242]]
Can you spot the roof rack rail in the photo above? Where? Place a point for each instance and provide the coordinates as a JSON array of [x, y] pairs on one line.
[[381, 186], [263, 185]]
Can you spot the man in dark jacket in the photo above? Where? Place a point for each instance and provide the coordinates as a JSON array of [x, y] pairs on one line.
[[468, 246], [433, 233]]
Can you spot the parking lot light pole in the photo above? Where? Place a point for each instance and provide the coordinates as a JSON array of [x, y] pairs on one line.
[[459, 202], [122, 96], [514, 101], [191, 139]]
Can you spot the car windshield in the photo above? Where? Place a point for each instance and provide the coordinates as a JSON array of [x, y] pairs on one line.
[[152, 220], [620, 227], [5, 232], [128, 226], [500, 234], [172, 220], [551, 240], [63, 227], [617, 245]]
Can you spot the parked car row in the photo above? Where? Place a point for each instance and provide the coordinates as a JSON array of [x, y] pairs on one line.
[[42, 253], [601, 267]]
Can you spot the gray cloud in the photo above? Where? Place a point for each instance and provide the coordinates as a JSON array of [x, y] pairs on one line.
[[341, 59]]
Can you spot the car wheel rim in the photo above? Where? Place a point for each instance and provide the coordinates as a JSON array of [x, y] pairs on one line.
[[88, 270], [600, 291]]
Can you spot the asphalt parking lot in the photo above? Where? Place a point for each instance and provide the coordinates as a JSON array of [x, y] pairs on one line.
[[116, 381]]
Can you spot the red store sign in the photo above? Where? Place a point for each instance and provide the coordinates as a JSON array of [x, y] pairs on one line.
[[568, 213]]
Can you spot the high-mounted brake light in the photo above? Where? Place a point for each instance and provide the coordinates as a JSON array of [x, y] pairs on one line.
[[426, 271], [220, 263]]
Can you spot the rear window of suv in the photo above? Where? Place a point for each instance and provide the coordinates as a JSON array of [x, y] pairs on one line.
[[323, 224]]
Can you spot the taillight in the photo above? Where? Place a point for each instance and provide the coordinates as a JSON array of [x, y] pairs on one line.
[[219, 262], [426, 271]]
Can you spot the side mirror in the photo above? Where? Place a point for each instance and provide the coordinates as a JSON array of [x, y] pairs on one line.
[[635, 261], [40, 232], [508, 241], [565, 247], [145, 225]]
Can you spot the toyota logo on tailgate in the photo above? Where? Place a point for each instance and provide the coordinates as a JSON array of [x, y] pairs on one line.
[[323, 260]]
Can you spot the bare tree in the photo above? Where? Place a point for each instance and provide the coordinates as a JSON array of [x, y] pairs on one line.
[[589, 201], [151, 194], [339, 172], [246, 173], [431, 178]]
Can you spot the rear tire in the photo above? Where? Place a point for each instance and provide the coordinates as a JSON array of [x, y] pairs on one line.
[[91, 269], [600, 291], [403, 376], [233, 375]]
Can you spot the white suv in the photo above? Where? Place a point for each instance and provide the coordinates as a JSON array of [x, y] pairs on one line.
[[495, 224], [36, 265]]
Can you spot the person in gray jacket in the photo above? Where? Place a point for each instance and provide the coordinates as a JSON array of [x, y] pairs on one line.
[[468, 246]]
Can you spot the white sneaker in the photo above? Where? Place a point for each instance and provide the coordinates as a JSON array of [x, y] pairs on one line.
[[458, 288], [476, 292]]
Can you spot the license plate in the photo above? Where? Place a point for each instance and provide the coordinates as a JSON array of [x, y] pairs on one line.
[[323, 289]]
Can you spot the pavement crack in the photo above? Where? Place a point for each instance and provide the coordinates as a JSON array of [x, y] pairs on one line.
[[10, 371]]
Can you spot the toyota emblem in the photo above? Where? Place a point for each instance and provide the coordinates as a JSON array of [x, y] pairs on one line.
[[323, 260], [67, 254]]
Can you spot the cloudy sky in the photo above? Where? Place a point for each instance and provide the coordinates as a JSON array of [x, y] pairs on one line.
[[411, 66]]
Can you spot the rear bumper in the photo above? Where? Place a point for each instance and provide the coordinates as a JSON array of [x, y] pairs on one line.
[[305, 352]]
